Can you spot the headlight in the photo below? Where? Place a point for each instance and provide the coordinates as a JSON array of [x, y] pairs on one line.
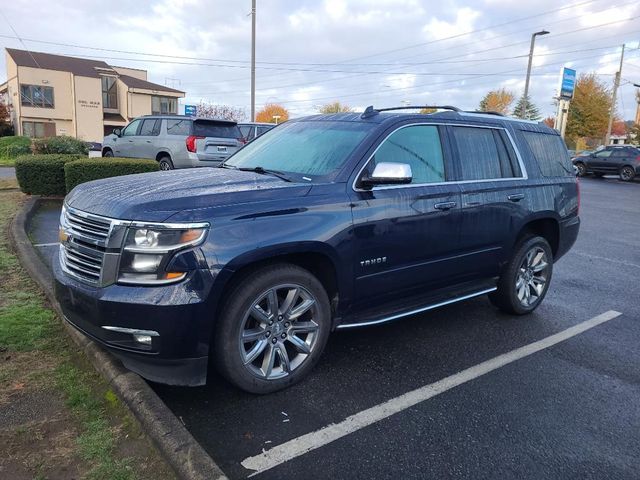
[[149, 248]]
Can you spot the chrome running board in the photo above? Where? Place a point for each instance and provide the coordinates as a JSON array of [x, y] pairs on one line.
[[417, 310]]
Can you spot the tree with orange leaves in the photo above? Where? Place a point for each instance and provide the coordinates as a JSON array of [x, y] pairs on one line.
[[272, 113]]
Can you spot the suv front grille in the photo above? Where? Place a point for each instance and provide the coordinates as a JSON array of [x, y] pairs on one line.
[[83, 253]]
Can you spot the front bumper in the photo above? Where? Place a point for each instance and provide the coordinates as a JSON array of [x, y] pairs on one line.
[[178, 313]]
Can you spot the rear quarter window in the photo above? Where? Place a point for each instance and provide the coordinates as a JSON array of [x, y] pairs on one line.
[[216, 129], [550, 153]]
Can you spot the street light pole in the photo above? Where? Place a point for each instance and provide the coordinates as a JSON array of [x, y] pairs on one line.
[[612, 111], [253, 60], [526, 82]]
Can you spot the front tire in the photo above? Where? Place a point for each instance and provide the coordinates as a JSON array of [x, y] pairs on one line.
[[526, 278], [582, 169], [627, 173], [272, 329]]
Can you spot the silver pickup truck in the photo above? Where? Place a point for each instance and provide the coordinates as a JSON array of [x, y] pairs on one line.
[[175, 141]]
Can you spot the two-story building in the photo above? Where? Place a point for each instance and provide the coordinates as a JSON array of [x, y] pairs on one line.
[[52, 95]]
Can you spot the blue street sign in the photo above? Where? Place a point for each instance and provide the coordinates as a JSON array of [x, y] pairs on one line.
[[567, 83], [190, 110]]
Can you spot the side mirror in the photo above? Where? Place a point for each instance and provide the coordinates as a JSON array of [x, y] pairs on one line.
[[387, 173], [117, 132]]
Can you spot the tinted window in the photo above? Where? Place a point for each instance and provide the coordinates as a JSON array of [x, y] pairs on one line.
[[318, 148], [150, 127], [262, 130], [131, 129], [551, 154], [480, 154], [178, 127], [604, 154], [204, 128], [246, 131], [419, 146]]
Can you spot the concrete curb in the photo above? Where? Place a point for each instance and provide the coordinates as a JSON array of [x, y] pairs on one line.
[[177, 445]]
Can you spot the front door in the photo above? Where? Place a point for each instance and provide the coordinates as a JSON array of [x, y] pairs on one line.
[[406, 235], [125, 144]]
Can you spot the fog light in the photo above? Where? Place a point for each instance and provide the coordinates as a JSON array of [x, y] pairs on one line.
[[144, 339]]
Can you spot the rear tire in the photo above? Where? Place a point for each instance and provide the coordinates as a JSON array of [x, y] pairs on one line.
[[525, 279], [107, 152], [272, 329], [165, 163], [627, 173]]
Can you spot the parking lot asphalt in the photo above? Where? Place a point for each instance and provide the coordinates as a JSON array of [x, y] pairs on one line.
[[569, 410]]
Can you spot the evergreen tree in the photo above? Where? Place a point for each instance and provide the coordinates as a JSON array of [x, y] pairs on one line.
[[531, 112]]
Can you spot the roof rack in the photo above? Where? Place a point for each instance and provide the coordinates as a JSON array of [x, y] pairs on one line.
[[370, 111], [486, 112]]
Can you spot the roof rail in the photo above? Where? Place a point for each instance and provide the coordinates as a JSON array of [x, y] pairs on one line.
[[486, 112], [370, 111]]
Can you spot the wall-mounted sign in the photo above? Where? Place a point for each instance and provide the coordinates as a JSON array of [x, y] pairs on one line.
[[190, 110], [88, 104], [567, 83]]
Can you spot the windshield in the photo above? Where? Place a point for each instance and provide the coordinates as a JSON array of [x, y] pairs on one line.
[[311, 149]]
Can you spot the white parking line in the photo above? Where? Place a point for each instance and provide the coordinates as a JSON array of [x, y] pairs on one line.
[[310, 441], [45, 244]]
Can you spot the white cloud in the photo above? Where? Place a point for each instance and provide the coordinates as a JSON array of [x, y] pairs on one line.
[[464, 22]]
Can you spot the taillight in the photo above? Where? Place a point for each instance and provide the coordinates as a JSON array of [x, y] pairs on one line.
[[242, 140], [638, 159], [191, 143]]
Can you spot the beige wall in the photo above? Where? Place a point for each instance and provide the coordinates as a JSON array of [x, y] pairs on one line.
[[13, 90], [139, 105], [132, 72], [62, 92], [88, 109]]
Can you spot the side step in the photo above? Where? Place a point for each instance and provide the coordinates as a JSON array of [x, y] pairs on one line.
[[433, 301]]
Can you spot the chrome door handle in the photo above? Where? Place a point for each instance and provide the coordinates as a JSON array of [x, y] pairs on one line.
[[445, 205], [516, 197]]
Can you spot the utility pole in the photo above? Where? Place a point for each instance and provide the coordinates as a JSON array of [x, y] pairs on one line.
[[612, 111], [253, 60], [526, 82]]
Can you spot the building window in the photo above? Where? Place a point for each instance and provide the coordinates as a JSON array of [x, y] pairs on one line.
[[109, 93], [164, 106], [36, 96], [38, 129]]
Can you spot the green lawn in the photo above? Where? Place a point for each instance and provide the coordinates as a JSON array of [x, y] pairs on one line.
[[87, 432]]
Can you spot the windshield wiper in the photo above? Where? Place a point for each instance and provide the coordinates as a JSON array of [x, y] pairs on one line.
[[264, 171]]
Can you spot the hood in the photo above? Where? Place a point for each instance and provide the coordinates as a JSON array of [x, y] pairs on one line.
[[154, 197]]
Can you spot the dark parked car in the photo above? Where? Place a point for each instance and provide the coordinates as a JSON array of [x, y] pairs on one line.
[[326, 222], [622, 160]]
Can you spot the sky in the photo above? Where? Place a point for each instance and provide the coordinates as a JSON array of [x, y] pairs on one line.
[[309, 53]]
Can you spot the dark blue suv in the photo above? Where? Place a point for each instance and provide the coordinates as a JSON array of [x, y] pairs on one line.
[[323, 223]]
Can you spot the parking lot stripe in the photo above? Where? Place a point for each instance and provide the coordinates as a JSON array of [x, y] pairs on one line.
[[310, 441], [45, 244]]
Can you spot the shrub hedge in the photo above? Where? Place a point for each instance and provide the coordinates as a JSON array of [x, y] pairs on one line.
[[13, 146], [88, 169], [42, 174], [62, 144]]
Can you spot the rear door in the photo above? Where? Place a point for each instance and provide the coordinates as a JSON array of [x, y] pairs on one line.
[[216, 140], [146, 145], [600, 161], [494, 197]]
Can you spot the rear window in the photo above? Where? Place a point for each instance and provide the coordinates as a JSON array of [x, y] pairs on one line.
[[215, 129], [550, 152], [179, 126]]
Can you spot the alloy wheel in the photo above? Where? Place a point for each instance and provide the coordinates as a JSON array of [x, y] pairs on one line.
[[627, 174], [279, 331], [531, 280]]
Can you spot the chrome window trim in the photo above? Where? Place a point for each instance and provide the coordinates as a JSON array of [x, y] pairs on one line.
[[523, 169]]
